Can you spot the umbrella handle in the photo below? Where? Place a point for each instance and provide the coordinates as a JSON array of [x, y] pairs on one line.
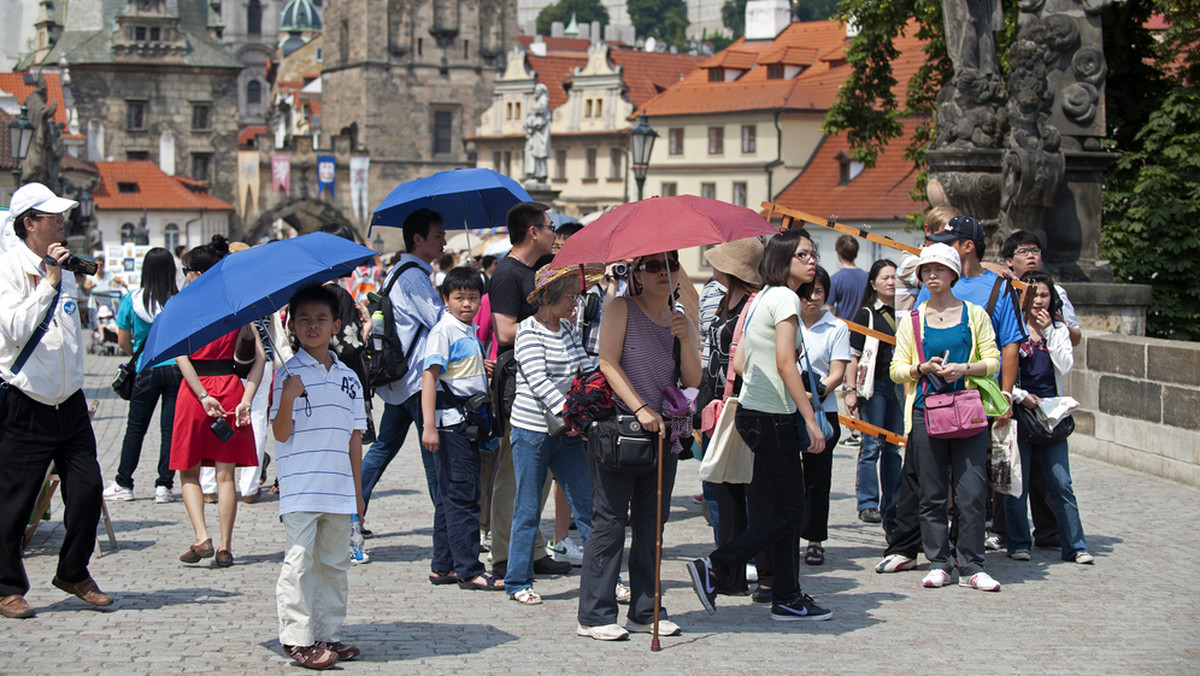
[[286, 372]]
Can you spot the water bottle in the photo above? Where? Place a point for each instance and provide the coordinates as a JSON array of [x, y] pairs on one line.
[[377, 329], [356, 539]]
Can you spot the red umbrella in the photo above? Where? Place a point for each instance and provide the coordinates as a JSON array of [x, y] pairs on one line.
[[660, 224]]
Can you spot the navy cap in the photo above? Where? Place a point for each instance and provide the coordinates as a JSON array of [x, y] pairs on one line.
[[959, 227]]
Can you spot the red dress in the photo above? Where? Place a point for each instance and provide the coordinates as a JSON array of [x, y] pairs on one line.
[[193, 442]]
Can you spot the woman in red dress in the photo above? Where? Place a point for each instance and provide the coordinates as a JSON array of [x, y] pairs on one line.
[[211, 391]]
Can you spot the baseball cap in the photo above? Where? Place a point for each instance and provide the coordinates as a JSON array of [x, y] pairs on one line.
[[959, 227], [39, 197]]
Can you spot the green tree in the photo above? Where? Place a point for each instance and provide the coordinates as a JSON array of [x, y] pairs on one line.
[[810, 10], [733, 15], [663, 19], [584, 11]]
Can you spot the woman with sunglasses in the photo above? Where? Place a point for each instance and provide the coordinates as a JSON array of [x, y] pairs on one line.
[[637, 346], [211, 394], [776, 420]]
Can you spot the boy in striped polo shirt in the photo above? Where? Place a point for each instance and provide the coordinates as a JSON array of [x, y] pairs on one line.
[[454, 372], [318, 418]]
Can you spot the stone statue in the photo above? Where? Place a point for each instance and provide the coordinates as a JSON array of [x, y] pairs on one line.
[[537, 136], [44, 160]]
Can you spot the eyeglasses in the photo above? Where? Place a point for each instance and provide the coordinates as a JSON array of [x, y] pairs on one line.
[[57, 217], [1027, 250], [807, 255], [655, 266]]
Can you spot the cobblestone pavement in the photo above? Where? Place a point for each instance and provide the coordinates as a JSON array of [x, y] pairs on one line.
[[1135, 611]]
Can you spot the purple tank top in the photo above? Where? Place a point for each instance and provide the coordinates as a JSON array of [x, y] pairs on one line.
[[647, 358]]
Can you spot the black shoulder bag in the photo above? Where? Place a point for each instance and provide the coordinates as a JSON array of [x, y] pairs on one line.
[[127, 374]]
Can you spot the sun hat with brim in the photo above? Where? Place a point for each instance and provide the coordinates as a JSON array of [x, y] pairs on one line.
[[739, 259], [940, 253], [547, 275], [40, 198]]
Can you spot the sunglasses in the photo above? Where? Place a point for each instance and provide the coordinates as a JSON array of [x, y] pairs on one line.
[[655, 266]]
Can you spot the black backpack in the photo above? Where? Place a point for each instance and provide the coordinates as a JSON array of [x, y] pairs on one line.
[[389, 362]]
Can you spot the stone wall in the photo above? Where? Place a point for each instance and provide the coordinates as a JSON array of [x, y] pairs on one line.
[[1140, 402]]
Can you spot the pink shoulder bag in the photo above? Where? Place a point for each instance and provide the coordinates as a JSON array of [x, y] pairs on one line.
[[712, 411], [952, 415]]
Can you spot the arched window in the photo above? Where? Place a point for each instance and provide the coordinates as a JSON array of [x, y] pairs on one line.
[[253, 92], [170, 237], [254, 17]]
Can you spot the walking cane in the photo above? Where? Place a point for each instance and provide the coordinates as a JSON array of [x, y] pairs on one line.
[[654, 644]]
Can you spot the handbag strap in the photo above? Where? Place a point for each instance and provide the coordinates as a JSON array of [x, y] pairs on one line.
[[738, 331], [38, 332], [812, 380]]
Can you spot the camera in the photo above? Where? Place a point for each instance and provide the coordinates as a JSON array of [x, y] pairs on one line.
[[620, 270], [83, 266]]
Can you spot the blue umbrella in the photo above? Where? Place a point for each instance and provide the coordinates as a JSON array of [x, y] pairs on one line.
[[245, 286], [465, 198]]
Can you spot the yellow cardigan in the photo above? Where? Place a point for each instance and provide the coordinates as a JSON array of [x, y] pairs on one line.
[[983, 348]]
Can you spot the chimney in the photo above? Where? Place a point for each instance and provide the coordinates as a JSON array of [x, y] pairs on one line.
[[556, 29], [766, 19]]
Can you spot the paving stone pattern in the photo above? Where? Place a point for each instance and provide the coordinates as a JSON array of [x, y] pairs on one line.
[[1135, 611]]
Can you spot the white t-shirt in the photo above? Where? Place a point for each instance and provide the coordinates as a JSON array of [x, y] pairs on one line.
[[762, 387], [313, 465], [826, 341]]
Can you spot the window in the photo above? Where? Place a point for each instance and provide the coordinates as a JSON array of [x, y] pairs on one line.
[[443, 124], [254, 17], [466, 49], [739, 194], [155, 34], [512, 110], [560, 164], [201, 163], [708, 190], [253, 92], [716, 74], [594, 108], [775, 71], [502, 161], [135, 115], [716, 140], [199, 117], [170, 237], [137, 155], [616, 163], [587, 109], [675, 140], [320, 54], [589, 164], [848, 169], [668, 190], [139, 33], [749, 138], [124, 188]]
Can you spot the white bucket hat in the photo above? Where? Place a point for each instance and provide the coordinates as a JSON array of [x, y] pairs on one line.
[[943, 254]]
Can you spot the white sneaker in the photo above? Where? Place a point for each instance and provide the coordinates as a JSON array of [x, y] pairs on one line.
[[624, 593], [356, 559], [981, 581], [992, 543], [751, 572], [607, 632], [936, 578], [894, 563], [118, 493], [163, 495], [665, 628], [566, 550], [1084, 557]]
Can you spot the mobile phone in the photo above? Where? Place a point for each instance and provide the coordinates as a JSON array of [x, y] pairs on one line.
[[222, 429]]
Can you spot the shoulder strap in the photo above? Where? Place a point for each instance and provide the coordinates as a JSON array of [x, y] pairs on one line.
[[916, 322], [991, 304], [38, 332], [738, 331], [389, 316]]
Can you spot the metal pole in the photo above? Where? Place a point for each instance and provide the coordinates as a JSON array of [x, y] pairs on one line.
[[641, 182]]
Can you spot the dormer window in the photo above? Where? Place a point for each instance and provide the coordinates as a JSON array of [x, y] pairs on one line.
[[716, 74], [848, 169], [775, 71], [127, 188]]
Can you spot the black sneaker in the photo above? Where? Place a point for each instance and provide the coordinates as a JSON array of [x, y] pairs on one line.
[[870, 515], [803, 608], [705, 583], [548, 566]]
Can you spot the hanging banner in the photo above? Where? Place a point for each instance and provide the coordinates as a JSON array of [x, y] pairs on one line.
[[281, 173], [360, 169], [248, 186], [326, 174]]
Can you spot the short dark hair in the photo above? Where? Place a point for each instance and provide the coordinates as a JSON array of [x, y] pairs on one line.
[[446, 261], [486, 262], [417, 223], [340, 229], [19, 222], [462, 279], [1016, 240], [522, 217], [846, 248], [314, 294], [806, 290], [567, 229], [777, 256]]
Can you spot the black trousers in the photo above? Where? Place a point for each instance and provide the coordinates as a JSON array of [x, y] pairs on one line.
[[818, 480], [33, 435], [905, 538]]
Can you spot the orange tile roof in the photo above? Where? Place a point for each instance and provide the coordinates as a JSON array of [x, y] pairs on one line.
[[879, 193], [646, 74], [735, 59], [14, 83], [246, 134], [155, 190], [553, 71], [789, 55], [815, 88]]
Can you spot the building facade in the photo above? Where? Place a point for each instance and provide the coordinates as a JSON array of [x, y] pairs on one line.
[[250, 34]]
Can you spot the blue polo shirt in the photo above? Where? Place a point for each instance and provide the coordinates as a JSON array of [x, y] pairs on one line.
[[1005, 321]]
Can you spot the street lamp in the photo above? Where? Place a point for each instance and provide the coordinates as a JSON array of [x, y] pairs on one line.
[[641, 142], [20, 135], [378, 242]]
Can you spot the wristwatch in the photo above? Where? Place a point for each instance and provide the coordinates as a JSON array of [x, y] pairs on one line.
[[203, 394]]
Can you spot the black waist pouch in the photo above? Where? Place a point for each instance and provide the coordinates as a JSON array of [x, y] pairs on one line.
[[619, 444]]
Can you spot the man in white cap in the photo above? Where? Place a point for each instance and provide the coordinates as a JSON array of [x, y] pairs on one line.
[[43, 414]]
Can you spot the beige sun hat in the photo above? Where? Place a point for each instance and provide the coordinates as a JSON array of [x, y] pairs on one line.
[[940, 253], [739, 259]]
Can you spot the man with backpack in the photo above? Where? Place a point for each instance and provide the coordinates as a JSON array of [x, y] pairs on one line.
[[413, 306]]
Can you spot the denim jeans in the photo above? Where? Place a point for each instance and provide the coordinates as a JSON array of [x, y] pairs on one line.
[[1056, 468], [884, 409], [533, 454], [775, 441], [456, 518], [393, 429], [150, 384]]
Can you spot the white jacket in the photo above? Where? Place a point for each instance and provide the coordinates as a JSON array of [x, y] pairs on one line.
[[1062, 355], [54, 371]]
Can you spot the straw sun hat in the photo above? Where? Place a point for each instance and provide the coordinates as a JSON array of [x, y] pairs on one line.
[[738, 259], [547, 275]]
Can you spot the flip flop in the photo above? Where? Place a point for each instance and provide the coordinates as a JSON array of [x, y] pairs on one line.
[[814, 555], [489, 583], [443, 578]]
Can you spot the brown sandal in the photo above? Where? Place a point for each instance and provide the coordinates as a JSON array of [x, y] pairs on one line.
[[197, 552], [814, 555]]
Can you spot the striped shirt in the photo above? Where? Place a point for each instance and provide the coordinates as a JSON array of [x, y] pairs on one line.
[[313, 465], [548, 362], [647, 358], [415, 303], [454, 347]]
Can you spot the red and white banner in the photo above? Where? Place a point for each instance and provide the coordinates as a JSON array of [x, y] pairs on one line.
[[281, 173]]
